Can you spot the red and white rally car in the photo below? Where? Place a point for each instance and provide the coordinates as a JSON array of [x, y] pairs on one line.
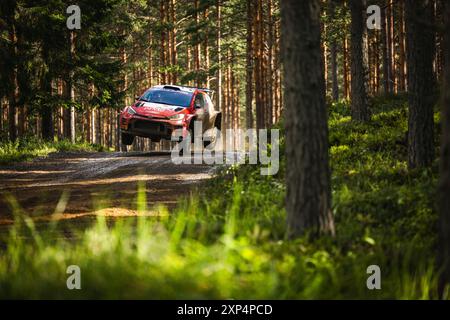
[[165, 108]]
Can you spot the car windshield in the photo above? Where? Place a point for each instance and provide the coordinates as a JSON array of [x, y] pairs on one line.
[[173, 98]]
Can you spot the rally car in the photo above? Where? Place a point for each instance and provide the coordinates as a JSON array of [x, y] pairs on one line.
[[165, 108]]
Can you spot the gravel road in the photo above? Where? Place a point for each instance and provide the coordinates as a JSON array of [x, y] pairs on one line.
[[73, 186]]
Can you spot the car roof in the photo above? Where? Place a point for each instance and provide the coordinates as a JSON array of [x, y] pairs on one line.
[[180, 88]]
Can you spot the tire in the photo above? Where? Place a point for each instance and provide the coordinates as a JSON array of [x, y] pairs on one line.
[[210, 145], [183, 140], [127, 139]]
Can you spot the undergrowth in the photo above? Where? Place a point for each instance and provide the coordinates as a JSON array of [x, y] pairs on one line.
[[28, 148]]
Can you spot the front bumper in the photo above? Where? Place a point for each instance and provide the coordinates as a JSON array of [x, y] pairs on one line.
[[151, 127]]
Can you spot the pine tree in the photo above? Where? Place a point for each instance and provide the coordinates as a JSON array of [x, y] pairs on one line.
[[307, 173], [421, 95]]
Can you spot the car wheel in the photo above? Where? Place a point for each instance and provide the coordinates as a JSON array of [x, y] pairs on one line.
[[213, 136], [185, 140], [127, 139]]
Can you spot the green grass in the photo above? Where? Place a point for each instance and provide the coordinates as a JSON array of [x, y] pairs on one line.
[[228, 240], [29, 148]]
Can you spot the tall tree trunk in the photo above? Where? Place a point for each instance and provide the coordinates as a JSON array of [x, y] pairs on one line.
[[60, 110], [333, 58], [46, 111], [325, 51], [307, 173], [277, 81], [444, 186], [219, 58], [359, 61], [390, 42], [402, 53], [93, 127], [228, 98], [232, 87], [69, 113], [13, 95], [420, 54], [173, 39], [269, 80], [206, 49], [188, 58], [163, 62], [1, 119], [150, 60], [346, 68], [259, 91], [439, 41], [384, 48], [249, 67], [197, 46], [377, 62]]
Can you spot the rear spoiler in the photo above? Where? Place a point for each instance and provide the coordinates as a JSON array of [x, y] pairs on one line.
[[201, 89], [177, 88]]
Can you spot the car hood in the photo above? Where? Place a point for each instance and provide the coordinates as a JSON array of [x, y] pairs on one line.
[[156, 109]]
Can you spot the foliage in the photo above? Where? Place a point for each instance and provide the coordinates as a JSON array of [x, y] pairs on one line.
[[29, 148]]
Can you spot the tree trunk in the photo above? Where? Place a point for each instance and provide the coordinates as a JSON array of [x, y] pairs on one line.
[[444, 186], [232, 91], [46, 111], [377, 63], [390, 45], [13, 95], [163, 62], [439, 42], [206, 49], [269, 80], [69, 119], [259, 93], [277, 80], [402, 53], [307, 173], [173, 40], [219, 58], [420, 54], [384, 48], [249, 67], [47, 114], [333, 58], [345, 68], [197, 48], [359, 61], [150, 60], [1, 120]]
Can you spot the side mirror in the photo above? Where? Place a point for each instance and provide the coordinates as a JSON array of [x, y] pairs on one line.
[[136, 98], [197, 106]]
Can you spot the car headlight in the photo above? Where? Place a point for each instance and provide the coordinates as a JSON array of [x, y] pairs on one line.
[[179, 116], [131, 111]]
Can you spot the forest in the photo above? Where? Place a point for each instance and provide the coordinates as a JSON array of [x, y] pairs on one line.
[[359, 91], [71, 85]]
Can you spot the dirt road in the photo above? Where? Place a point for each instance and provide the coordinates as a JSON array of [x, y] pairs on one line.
[[73, 186]]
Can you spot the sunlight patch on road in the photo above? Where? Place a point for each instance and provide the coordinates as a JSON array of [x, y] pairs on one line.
[[109, 181], [106, 212]]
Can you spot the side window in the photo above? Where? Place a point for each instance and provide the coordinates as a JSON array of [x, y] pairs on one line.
[[209, 103], [199, 100]]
